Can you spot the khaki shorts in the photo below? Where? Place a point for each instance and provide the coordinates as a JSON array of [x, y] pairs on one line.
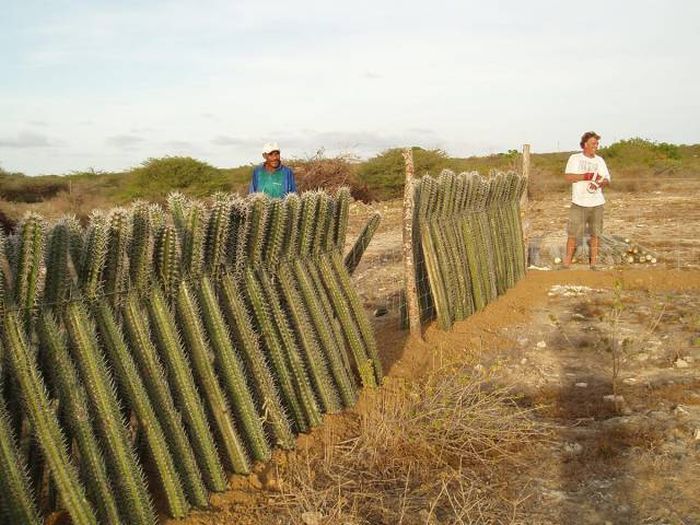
[[580, 216]]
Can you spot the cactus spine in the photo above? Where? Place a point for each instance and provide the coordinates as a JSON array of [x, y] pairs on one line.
[[134, 500], [184, 389], [44, 421], [154, 377], [230, 440], [16, 498], [74, 401], [232, 373], [316, 365], [322, 325], [352, 259], [268, 331], [246, 339], [131, 384], [27, 268]]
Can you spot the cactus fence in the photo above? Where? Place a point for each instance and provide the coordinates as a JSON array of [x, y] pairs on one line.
[[153, 351], [467, 242]]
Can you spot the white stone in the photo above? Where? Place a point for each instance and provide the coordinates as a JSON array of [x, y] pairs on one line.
[[541, 344], [680, 410], [681, 363], [629, 380], [312, 518], [582, 385], [614, 399], [573, 448], [696, 436], [523, 361]]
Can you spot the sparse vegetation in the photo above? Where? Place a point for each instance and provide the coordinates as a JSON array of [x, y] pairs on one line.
[[442, 449]]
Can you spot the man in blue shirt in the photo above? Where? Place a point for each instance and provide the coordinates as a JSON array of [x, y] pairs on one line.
[[271, 177]]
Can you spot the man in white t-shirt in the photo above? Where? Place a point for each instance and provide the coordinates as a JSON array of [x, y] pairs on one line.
[[588, 175]]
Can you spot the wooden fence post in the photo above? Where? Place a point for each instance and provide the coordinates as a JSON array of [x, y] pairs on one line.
[[412, 307], [524, 202]]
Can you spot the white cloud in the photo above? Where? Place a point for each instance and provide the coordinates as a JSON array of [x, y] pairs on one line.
[[225, 77]]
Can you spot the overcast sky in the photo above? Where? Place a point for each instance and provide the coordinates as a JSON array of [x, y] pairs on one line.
[[105, 85]]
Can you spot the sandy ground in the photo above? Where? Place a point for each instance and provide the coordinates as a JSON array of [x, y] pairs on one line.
[[634, 459]]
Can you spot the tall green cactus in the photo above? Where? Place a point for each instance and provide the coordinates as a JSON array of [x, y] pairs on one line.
[[16, 497], [292, 204], [94, 256], [116, 269], [323, 327], [218, 236], [358, 312], [352, 259], [257, 220], [276, 230], [167, 259], [199, 350], [159, 391], [57, 257], [178, 205], [316, 364], [194, 240], [307, 222], [323, 275], [27, 267], [342, 212], [257, 301], [185, 392], [44, 421], [231, 371], [134, 500], [247, 342], [73, 400], [141, 248], [132, 386], [318, 243], [302, 384]]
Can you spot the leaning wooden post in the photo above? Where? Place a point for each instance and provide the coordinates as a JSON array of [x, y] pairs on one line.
[[525, 219], [408, 262]]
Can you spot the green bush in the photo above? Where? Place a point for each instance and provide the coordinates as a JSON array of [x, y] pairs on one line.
[[641, 151], [384, 174], [155, 178], [20, 188]]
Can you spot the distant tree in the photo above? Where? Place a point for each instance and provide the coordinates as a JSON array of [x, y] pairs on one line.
[[156, 177], [384, 174]]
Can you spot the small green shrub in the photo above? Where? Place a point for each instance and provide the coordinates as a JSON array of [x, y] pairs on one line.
[[155, 178]]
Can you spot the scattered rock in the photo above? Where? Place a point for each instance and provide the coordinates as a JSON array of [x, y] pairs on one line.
[[680, 410], [541, 344], [629, 380], [681, 363], [696, 436], [556, 495], [614, 399], [582, 385], [523, 361], [382, 310], [573, 448], [427, 517], [312, 518], [255, 482]]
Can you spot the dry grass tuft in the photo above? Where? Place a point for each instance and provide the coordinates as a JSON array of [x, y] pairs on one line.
[[444, 450]]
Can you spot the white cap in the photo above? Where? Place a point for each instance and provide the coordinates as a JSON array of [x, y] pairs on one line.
[[270, 147]]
